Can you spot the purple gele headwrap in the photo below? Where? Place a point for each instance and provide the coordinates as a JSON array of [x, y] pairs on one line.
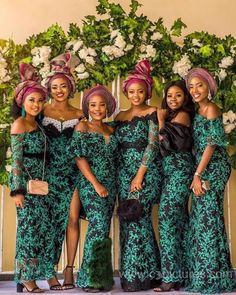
[[141, 73], [205, 75], [101, 91], [60, 68], [29, 84]]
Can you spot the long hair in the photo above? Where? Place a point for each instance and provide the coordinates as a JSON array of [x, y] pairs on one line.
[[188, 104]]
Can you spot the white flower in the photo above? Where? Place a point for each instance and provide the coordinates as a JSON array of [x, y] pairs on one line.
[[114, 33], [196, 43], [233, 49], [156, 36], [234, 83], [144, 36], [151, 51], [182, 66], [129, 47], [45, 51], [120, 42], [35, 51], [83, 53], [222, 74], [77, 45], [92, 51], [3, 126], [131, 36], [45, 70], [229, 117], [69, 44], [108, 50], [8, 153], [80, 68], [8, 168], [229, 127], [142, 48], [152, 28], [4, 73], [90, 60], [117, 52], [82, 76], [226, 62]]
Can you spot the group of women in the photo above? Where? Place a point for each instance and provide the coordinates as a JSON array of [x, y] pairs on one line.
[[146, 154]]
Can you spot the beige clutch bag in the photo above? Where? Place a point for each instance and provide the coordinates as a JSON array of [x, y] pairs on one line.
[[37, 187]]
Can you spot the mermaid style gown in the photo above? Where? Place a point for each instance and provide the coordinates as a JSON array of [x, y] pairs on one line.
[[176, 146], [62, 176], [96, 269], [34, 246], [209, 257], [139, 253]]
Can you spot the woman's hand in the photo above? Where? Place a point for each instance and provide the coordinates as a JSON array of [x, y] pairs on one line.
[[136, 184], [100, 190], [196, 186], [19, 200]]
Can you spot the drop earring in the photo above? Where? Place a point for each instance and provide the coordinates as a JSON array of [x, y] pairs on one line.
[[209, 97], [23, 113]]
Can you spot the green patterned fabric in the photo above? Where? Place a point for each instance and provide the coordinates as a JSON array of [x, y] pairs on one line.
[[139, 253], [34, 246], [209, 264], [173, 215], [62, 174], [101, 158]]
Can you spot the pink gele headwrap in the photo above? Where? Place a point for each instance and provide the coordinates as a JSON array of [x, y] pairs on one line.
[[203, 74], [29, 84], [101, 91], [60, 68], [141, 73]]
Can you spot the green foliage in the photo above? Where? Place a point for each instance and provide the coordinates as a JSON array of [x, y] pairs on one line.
[[130, 37]]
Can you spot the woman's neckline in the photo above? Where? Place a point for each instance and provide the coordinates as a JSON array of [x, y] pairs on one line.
[[61, 122], [107, 138], [136, 117]]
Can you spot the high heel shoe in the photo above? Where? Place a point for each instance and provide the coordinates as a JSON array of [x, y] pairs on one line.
[[70, 285], [21, 286], [55, 286], [166, 287]]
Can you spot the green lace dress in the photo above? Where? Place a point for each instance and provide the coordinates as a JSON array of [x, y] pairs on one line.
[[209, 257], [176, 146], [139, 253], [62, 176], [34, 247], [96, 268]]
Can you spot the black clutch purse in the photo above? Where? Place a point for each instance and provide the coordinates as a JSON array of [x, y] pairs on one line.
[[130, 209]]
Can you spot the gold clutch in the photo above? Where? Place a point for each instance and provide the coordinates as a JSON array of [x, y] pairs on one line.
[[37, 187]]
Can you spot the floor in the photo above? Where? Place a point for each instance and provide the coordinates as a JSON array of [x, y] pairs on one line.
[[8, 287]]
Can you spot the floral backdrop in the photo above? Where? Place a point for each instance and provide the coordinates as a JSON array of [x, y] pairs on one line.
[[110, 46]]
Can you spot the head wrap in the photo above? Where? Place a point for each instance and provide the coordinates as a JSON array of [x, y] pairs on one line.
[[141, 73], [60, 68], [29, 84], [101, 91], [204, 75]]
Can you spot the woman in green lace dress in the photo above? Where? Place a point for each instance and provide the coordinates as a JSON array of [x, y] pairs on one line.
[[175, 119], [59, 121], [210, 269], [94, 147], [33, 260], [139, 172]]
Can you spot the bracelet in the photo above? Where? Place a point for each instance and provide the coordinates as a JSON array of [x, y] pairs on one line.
[[198, 174]]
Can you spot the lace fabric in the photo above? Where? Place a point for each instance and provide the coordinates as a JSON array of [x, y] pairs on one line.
[[150, 150], [16, 180]]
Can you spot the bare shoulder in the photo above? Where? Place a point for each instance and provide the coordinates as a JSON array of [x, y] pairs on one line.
[[213, 111], [182, 118], [47, 109], [18, 126], [121, 116], [151, 109], [82, 126]]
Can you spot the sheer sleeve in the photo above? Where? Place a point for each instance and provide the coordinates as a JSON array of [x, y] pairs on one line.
[[77, 146], [151, 149], [215, 134], [16, 182]]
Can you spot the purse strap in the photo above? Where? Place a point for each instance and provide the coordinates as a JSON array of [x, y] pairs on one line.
[[44, 154]]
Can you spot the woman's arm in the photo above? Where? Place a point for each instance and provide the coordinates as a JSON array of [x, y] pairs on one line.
[[85, 169]]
